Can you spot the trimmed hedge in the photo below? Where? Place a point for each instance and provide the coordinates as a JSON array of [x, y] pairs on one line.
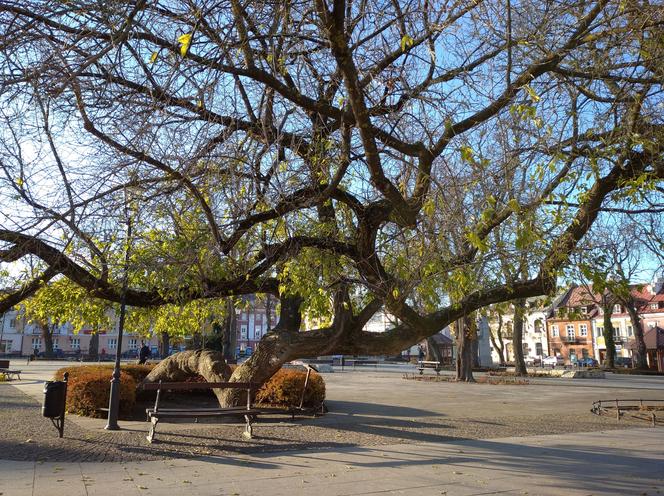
[[285, 388], [88, 392], [89, 388]]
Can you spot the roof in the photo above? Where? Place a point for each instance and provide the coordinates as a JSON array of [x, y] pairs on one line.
[[579, 296], [441, 339]]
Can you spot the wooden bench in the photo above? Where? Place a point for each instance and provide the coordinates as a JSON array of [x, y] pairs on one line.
[[156, 413], [8, 373], [362, 362], [428, 364]]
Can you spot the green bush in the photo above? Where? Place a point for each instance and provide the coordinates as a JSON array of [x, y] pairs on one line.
[[88, 392]]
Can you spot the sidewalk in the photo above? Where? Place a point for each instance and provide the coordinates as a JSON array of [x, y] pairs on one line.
[[618, 462]]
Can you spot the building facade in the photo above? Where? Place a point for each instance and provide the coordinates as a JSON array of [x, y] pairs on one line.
[[570, 325], [535, 341], [18, 337], [255, 319]]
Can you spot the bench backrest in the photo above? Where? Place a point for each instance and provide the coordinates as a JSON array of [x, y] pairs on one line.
[[153, 386], [4, 364]]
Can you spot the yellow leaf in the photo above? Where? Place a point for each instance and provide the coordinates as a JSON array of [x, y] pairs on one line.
[[406, 42], [185, 41], [466, 154], [531, 93], [153, 57]]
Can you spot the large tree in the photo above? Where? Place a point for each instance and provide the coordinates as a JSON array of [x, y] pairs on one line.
[[342, 156]]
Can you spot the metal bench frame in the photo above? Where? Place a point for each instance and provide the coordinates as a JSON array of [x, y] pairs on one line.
[[16, 374], [156, 413]]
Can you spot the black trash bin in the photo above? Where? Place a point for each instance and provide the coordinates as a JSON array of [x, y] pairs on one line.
[[54, 399]]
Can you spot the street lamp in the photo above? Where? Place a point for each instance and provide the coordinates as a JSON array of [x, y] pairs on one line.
[[114, 400]]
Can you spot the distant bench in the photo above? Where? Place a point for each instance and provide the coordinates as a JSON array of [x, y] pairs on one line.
[[428, 364], [362, 363], [7, 372], [249, 412]]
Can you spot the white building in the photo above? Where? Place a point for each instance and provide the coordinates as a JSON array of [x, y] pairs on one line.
[[534, 342]]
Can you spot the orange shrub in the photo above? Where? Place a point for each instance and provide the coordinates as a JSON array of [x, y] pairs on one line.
[[88, 392], [138, 372], [89, 388], [285, 387]]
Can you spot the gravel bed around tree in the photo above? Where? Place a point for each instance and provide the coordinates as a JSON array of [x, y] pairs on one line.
[[26, 435]]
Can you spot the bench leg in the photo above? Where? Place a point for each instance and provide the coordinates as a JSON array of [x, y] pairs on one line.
[[248, 430], [153, 427]]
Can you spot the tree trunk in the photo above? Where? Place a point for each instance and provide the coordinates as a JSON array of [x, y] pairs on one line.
[[475, 352], [464, 358], [268, 312], [607, 308], [275, 349], [433, 351], [164, 344], [497, 340], [206, 363], [517, 338], [641, 358], [228, 332], [47, 336], [196, 341], [93, 348]]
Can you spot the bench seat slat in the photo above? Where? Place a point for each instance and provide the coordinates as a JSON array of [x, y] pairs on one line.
[[193, 414], [153, 386], [217, 409]]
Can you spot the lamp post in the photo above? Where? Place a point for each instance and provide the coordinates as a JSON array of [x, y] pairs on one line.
[[2, 331], [114, 400]]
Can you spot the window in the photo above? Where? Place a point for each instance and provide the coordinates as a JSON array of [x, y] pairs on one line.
[[36, 343], [12, 323], [570, 331], [630, 330], [75, 343], [243, 332], [584, 310], [556, 352], [653, 306], [112, 343], [617, 309], [526, 348], [56, 344], [585, 353], [583, 330], [554, 331], [257, 331], [600, 331], [133, 344], [538, 349]]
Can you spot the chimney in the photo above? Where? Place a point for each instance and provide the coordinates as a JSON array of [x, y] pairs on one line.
[[658, 283]]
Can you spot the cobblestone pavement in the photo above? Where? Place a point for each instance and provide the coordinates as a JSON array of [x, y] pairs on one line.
[[28, 436]]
